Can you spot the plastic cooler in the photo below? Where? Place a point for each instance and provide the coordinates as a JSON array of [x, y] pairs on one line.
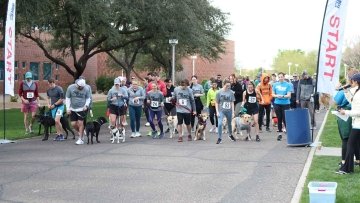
[[322, 192], [298, 127]]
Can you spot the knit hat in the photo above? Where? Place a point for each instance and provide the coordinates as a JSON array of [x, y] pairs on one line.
[[356, 77]]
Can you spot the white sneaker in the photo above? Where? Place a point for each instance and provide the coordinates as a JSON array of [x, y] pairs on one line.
[[216, 130], [124, 123], [137, 134], [211, 129], [79, 142], [192, 130], [30, 129], [133, 135], [147, 124]]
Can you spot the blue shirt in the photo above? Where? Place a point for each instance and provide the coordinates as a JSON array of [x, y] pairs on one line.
[[282, 88], [341, 100]]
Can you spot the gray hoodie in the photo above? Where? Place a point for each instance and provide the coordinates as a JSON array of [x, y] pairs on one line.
[[140, 93], [120, 94]]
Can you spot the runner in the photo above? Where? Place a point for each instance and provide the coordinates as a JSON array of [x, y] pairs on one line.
[[155, 100]]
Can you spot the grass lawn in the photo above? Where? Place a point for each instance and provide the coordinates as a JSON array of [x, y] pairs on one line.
[[323, 168], [15, 122]]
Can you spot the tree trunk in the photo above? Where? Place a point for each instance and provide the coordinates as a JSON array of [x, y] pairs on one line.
[[127, 73]]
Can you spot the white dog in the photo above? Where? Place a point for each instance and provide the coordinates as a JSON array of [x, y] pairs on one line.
[[241, 123], [172, 123], [118, 134]]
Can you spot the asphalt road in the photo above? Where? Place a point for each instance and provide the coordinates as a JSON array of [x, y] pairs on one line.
[[151, 170]]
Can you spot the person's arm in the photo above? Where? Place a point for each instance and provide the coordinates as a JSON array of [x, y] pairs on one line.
[[163, 89], [192, 102], [67, 100], [244, 98], [217, 101], [208, 98]]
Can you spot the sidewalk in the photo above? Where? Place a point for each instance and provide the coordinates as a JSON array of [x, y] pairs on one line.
[[328, 151]]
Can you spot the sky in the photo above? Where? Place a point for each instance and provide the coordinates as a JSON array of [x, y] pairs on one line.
[[261, 27]]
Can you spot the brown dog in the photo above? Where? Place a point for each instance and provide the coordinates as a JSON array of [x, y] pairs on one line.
[[200, 127], [325, 100], [241, 123]]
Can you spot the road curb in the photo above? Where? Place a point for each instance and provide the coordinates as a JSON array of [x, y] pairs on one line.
[[300, 186]]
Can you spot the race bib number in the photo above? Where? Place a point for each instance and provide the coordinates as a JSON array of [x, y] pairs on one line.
[[136, 101], [30, 95], [154, 104], [252, 99], [226, 105], [168, 100], [183, 102], [59, 112]]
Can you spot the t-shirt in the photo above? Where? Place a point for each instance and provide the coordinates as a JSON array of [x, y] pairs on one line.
[[121, 95], [184, 99], [282, 88], [155, 99], [225, 99], [77, 97], [55, 94], [140, 93], [197, 89]]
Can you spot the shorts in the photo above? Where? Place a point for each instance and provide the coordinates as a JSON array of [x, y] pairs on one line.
[[78, 116], [57, 111], [183, 118], [116, 110], [30, 107], [252, 111]]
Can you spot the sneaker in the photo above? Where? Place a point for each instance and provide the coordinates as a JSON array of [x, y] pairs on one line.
[[211, 129], [124, 123], [279, 138], [149, 133], [260, 130], [232, 138], [340, 164], [216, 130], [268, 129], [189, 138], [180, 139], [340, 172], [137, 134], [192, 130], [313, 128], [161, 135], [61, 137], [30, 129], [57, 138], [154, 134], [147, 124], [79, 142], [167, 130], [218, 141], [132, 135], [257, 138], [84, 132]]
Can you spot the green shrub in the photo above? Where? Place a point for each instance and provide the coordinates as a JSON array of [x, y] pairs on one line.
[[104, 83]]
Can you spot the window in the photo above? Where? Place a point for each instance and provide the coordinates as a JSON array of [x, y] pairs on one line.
[[2, 70], [56, 77], [57, 66], [23, 64], [34, 68], [16, 76], [16, 64], [47, 71]]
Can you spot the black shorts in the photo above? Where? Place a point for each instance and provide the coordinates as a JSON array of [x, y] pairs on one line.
[[252, 111], [78, 116], [183, 118], [118, 111]]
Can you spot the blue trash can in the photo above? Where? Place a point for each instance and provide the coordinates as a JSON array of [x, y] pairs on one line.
[[298, 127]]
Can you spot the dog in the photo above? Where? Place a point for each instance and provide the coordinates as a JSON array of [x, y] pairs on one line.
[[47, 121], [93, 128], [242, 122], [224, 125], [200, 127], [117, 133], [325, 100], [172, 123]]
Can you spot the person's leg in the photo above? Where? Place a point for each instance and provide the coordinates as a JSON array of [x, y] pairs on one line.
[[343, 149], [229, 119], [151, 119], [255, 118], [58, 126], [211, 115], [158, 117], [180, 123], [237, 109], [137, 118], [312, 115], [267, 111], [354, 138], [192, 120], [221, 116], [80, 124], [283, 109], [26, 122], [279, 116], [261, 116], [132, 115]]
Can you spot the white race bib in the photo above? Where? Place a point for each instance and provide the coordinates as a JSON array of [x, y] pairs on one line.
[[168, 100], [226, 105], [59, 112], [183, 102], [154, 104], [136, 101], [252, 99], [30, 95]]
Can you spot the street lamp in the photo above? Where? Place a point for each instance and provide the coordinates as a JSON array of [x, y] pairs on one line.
[[194, 57], [289, 64], [296, 65], [173, 43]]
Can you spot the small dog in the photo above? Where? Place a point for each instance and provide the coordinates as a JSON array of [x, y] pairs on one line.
[[242, 122], [200, 127], [93, 128], [118, 134], [224, 125], [325, 100], [47, 121], [172, 123]]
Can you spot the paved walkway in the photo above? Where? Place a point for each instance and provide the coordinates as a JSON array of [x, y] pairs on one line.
[[148, 170], [328, 151]]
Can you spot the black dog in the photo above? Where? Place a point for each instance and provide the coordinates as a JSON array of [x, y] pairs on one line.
[[93, 128], [47, 121]]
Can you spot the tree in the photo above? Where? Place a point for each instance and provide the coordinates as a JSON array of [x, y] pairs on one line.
[[351, 55], [78, 29], [3, 14], [305, 61]]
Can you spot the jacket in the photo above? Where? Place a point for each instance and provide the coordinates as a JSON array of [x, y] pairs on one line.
[[353, 97], [238, 92], [265, 89], [305, 89]]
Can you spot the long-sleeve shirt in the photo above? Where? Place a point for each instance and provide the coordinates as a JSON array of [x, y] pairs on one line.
[[184, 100], [139, 93], [120, 94], [211, 96], [353, 97]]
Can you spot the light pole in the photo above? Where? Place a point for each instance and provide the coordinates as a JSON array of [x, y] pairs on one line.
[[173, 43], [296, 65], [289, 64], [194, 57]]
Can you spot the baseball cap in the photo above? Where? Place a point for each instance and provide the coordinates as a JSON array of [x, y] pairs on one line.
[[117, 81], [81, 82], [356, 77], [28, 75]]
